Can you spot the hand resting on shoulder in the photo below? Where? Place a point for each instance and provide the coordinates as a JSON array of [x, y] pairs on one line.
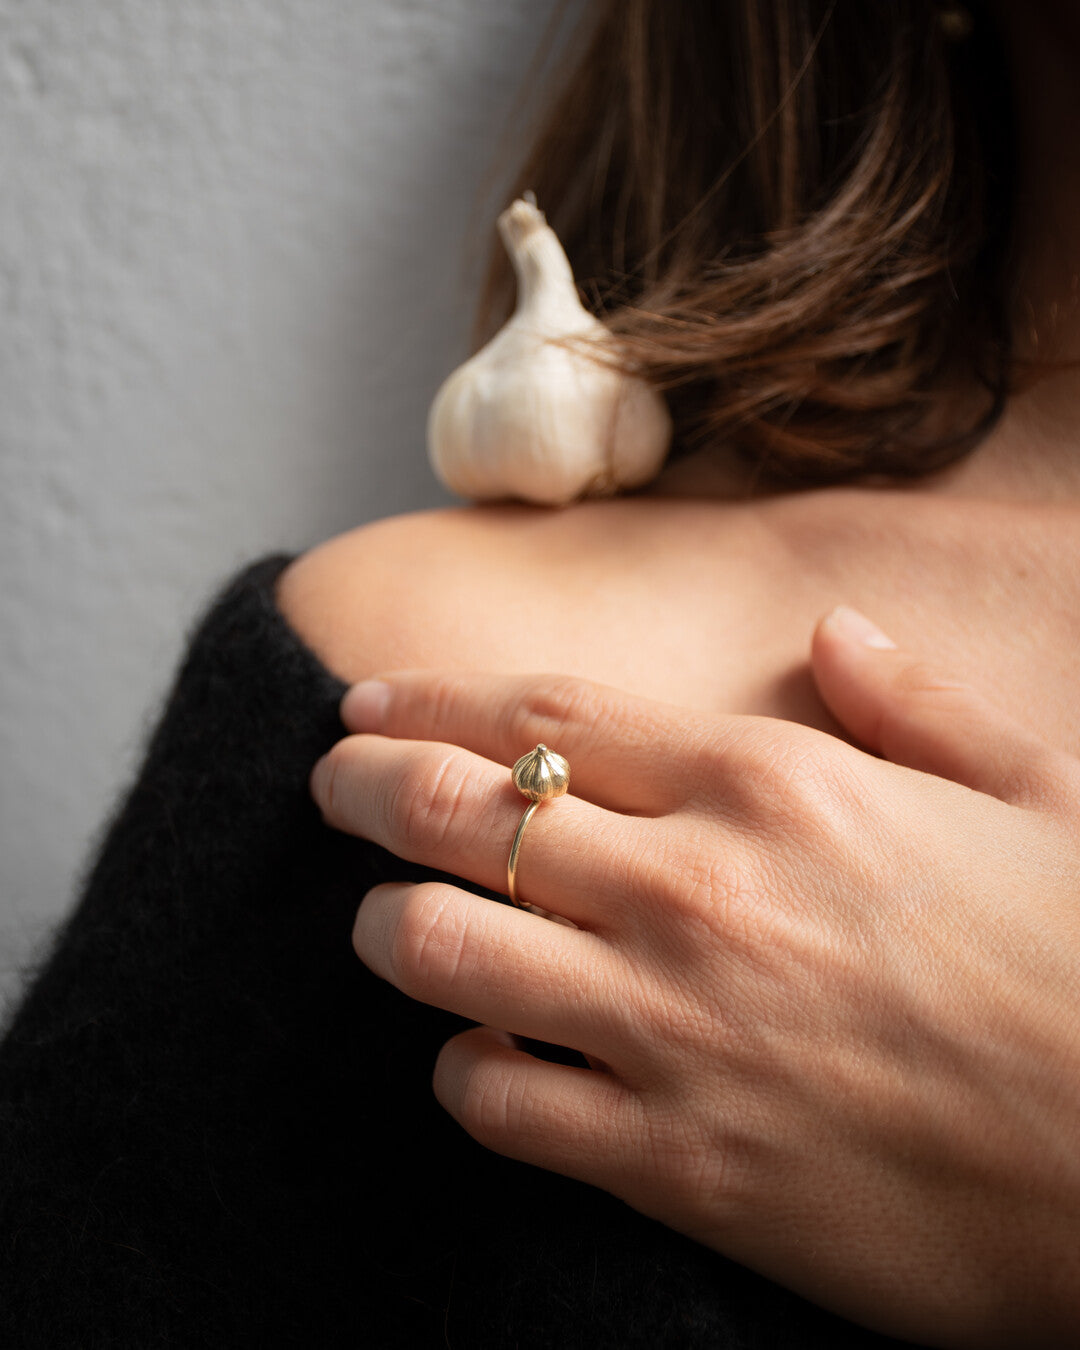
[[830, 994]]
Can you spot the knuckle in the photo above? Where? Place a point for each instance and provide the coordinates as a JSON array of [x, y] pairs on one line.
[[776, 776], [696, 1161], [428, 942], [548, 705], [673, 1026], [705, 881], [492, 1103], [736, 901], [428, 799], [442, 703], [721, 1170], [811, 778], [695, 887], [743, 910], [669, 876]]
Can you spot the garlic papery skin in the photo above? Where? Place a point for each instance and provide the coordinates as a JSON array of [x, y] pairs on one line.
[[529, 418]]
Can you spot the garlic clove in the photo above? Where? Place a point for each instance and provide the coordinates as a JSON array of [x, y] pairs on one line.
[[528, 418], [541, 774]]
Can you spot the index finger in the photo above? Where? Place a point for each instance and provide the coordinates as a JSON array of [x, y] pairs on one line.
[[626, 753]]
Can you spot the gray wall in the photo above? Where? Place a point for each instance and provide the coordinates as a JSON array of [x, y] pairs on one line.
[[232, 236]]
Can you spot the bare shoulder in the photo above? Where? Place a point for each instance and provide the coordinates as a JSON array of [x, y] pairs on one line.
[[703, 604], [611, 591], [399, 593]]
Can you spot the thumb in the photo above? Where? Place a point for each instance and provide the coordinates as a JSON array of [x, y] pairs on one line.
[[911, 712]]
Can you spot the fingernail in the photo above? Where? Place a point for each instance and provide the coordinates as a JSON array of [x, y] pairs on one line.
[[856, 627], [364, 706]]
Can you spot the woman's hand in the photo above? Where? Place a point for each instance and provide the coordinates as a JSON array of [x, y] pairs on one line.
[[833, 1001]]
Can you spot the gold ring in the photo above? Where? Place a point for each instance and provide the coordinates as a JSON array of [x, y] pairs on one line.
[[540, 775]]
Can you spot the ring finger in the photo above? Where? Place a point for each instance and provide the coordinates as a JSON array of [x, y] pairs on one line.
[[454, 811]]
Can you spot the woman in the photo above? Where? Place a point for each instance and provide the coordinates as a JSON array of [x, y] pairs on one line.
[[826, 998]]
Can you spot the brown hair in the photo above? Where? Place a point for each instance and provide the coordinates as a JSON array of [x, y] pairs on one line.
[[795, 215]]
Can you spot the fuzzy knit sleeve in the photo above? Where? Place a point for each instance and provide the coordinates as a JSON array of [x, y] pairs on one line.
[[124, 1072], [217, 1127]]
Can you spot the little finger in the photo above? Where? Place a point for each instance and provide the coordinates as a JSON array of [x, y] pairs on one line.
[[575, 1121]]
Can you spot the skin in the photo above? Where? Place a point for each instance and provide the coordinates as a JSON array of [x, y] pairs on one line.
[[785, 949], [824, 968]]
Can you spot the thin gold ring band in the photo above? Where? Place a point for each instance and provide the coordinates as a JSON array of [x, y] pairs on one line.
[[515, 849], [541, 775]]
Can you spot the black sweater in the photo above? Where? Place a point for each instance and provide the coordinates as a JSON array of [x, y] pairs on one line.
[[218, 1127]]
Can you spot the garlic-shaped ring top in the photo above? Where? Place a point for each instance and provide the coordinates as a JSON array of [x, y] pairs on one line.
[[541, 774], [528, 417]]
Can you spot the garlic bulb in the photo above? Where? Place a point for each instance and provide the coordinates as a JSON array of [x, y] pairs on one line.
[[541, 774], [529, 418]]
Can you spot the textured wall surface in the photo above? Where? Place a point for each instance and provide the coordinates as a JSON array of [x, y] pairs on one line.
[[231, 270]]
